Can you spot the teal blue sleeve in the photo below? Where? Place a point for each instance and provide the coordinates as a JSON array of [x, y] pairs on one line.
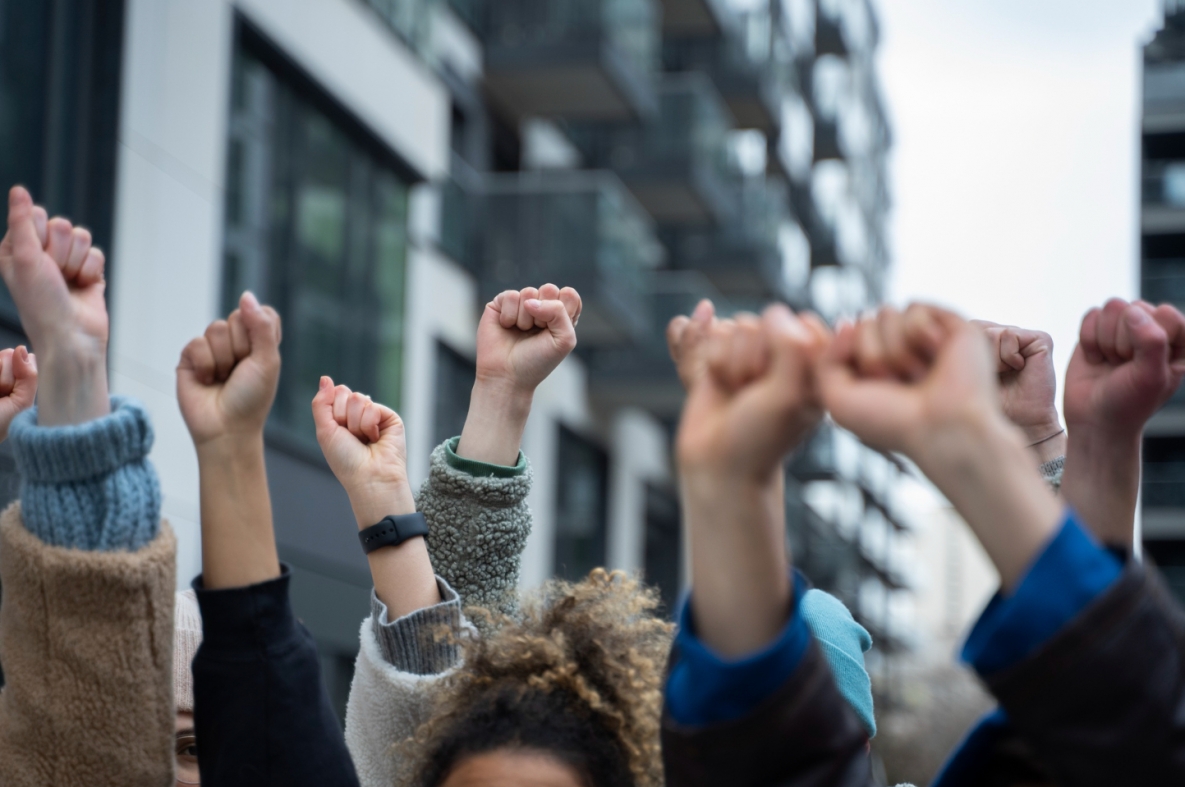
[[89, 486]]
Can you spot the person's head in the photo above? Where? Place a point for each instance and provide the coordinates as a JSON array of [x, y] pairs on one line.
[[567, 695], [187, 636]]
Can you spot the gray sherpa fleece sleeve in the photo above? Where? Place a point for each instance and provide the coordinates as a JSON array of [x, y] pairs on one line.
[[478, 527]]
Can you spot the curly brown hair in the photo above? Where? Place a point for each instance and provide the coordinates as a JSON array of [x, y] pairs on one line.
[[577, 675]]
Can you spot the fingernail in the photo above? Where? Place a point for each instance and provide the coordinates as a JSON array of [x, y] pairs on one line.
[[533, 303], [325, 383], [249, 300]]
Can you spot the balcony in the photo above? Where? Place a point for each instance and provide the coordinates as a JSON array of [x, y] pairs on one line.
[[411, 19], [461, 216], [1163, 196], [643, 375], [676, 164], [824, 457], [747, 76], [844, 27], [575, 60], [579, 229], [744, 257]]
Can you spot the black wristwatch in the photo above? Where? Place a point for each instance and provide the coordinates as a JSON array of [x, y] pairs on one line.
[[393, 531]]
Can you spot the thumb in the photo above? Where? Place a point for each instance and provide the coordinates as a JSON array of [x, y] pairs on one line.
[[793, 345], [22, 229], [553, 316], [24, 372], [323, 420], [263, 325]]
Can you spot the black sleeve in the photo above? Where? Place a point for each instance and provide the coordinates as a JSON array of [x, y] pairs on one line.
[[1103, 703], [805, 735], [261, 714]]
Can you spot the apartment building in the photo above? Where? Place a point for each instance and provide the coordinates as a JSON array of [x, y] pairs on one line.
[[1162, 279], [378, 169]]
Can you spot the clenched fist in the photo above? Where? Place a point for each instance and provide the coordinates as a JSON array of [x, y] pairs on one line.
[[226, 381], [18, 385], [524, 334]]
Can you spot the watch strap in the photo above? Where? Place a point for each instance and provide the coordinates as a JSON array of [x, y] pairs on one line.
[[393, 531]]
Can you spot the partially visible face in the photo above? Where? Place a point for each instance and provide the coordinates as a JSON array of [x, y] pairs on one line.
[[512, 768], [186, 749]]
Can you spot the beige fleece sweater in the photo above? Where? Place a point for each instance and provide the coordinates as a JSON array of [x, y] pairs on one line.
[[86, 640]]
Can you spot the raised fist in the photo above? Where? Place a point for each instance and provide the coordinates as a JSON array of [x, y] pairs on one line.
[[687, 338], [55, 277], [755, 397], [18, 385], [903, 381], [226, 381], [365, 446], [523, 335], [1028, 383], [1129, 360]]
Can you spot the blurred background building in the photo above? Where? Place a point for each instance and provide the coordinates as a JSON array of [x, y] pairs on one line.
[[378, 169], [1162, 278]]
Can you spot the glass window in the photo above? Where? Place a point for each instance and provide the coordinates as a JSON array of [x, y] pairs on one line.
[[316, 224], [664, 553], [580, 506], [455, 375]]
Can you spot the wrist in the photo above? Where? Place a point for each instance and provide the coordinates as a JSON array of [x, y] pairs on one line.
[[497, 418], [73, 383], [372, 502]]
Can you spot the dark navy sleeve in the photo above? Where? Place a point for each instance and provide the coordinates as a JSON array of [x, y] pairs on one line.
[[261, 713], [1071, 572], [704, 688]]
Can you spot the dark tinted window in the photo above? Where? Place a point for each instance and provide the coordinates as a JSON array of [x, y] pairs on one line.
[[664, 554], [316, 224], [455, 375], [583, 478]]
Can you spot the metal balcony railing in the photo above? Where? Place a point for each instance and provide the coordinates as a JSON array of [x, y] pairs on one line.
[[577, 228], [677, 164], [411, 19], [576, 59]]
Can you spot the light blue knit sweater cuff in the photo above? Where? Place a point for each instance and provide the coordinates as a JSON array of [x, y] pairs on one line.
[[89, 486]]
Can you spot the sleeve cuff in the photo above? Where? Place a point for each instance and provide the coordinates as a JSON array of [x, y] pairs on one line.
[[1070, 573], [481, 469], [80, 452], [252, 619], [420, 643], [704, 688]]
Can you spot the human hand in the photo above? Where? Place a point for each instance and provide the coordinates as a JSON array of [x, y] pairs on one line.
[[365, 446], [753, 398], [687, 338], [923, 383], [1028, 383], [18, 385], [55, 278], [1129, 360], [902, 379], [227, 378], [522, 337]]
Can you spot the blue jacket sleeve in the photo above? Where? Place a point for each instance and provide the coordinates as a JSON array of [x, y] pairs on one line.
[[1071, 572], [261, 713], [704, 688]]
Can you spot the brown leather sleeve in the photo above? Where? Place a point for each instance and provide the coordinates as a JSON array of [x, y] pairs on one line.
[[1103, 703], [805, 735], [86, 640]]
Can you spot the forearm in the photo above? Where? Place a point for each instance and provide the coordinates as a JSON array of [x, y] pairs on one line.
[[984, 470], [493, 430], [238, 541], [73, 385], [402, 574], [740, 573], [1101, 481]]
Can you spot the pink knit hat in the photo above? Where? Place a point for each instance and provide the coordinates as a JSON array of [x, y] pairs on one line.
[[187, 635]]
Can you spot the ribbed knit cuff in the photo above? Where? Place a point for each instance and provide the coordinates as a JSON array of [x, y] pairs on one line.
[[1051, 471], [89, 486], [424, 642], [481, 469]]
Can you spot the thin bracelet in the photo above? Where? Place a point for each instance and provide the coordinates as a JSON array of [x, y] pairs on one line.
[[1047, 439]]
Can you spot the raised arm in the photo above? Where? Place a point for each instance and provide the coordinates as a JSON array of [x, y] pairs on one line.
[[88, 568], [1129, 360], [261, 713], [475, 495]]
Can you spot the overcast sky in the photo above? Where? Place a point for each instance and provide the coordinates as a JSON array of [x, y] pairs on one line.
[[1014, 170]]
